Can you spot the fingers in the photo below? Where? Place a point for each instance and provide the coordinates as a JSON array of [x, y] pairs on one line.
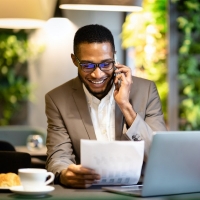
[[78, 169], [77, 176], [79, 172], [122, 69], [122, 90], [71, 175], [122, 80], [80, 183]]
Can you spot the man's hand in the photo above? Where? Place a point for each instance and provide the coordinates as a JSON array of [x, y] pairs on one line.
[[124, 77], [122, 92], [76, 176]]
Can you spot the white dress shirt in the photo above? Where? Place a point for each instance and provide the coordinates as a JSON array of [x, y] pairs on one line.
[[102, 113]]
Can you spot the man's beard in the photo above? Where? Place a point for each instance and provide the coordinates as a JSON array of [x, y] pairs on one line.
[[107, 89]]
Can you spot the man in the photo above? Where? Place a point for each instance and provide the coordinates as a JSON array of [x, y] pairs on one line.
[[104, 102]]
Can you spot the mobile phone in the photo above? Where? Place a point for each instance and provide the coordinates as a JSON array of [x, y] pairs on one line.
[[115, 58], [119, 81]]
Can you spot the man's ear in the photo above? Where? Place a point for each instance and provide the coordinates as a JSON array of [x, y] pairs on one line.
[[74, 59]]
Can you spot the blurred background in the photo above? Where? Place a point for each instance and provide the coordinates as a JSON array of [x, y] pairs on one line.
[[159, 42]]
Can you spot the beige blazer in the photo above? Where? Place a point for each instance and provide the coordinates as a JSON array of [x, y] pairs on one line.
[[69, 120]]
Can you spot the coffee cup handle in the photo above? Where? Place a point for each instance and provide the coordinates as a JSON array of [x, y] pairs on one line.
[[51, 178]]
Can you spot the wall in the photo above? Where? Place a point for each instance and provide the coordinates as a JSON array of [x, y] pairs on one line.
[[55, 66]]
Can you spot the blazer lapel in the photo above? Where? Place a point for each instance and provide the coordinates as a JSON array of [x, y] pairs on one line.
[[82, 106], [119, 122]]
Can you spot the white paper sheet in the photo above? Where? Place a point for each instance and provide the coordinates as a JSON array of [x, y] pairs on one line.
[[117, 162]]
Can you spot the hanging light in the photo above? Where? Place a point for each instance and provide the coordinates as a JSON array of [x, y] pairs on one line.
[[25, 14], [102, 5]]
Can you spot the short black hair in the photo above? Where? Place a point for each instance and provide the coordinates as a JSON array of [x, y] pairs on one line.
[[93, 33]]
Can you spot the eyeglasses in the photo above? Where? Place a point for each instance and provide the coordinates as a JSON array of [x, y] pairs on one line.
[[90, 67]]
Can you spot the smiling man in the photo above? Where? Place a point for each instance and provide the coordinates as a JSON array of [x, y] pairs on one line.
[[103, 103]]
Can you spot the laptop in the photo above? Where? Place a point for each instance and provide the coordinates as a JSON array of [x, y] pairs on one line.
[[173, 166]]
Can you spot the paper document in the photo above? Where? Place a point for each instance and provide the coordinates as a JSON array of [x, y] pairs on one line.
[[117, 162]]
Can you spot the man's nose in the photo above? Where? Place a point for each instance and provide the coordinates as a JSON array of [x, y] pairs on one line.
[[97, 73]]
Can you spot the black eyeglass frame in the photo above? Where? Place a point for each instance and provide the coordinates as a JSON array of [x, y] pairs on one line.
[[96, 65]]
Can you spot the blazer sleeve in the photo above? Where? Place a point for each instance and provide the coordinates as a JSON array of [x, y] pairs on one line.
[[148, 121], [59, 148]]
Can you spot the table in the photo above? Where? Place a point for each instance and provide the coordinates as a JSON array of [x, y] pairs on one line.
[[95, 193], [39, 152], [38, 157]]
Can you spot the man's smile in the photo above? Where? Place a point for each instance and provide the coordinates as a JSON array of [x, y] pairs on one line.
[[97, 81]]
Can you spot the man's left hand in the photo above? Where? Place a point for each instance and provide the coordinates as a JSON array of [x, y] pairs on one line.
[[124, 78], [122, 92]]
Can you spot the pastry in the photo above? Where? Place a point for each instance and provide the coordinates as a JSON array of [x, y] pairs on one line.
[[9, 179]]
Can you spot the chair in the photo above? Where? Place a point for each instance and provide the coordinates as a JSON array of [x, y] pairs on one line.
[[35, 162], [6, 146], [17, 135], [11, 161]]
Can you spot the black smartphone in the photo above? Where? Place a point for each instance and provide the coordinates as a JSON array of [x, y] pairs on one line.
[[119, 81]]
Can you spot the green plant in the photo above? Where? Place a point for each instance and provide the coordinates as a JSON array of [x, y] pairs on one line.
[[146, 32], [189, 63], [14, 84]]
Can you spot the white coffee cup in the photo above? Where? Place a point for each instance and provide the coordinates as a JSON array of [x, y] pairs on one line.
[[33, 179]]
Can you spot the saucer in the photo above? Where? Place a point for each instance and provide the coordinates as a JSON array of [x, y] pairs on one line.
[[4, 188], [20, 190]]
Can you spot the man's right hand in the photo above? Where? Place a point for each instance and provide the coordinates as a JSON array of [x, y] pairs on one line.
[[76, 176]]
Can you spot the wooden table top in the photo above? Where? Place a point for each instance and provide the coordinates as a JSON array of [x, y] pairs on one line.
[[36, 152], [94, 192]]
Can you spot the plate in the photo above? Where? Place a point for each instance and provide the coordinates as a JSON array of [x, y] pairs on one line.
[[4, 188], [7, 187], [20, 190]]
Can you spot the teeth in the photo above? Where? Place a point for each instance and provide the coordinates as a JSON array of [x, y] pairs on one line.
[[97, 82]]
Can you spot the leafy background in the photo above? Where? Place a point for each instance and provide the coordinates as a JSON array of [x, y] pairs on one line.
[[15, 89], [146, 32], [189, 63]]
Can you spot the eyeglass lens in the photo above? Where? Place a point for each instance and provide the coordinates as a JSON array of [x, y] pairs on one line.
[[91, 66]]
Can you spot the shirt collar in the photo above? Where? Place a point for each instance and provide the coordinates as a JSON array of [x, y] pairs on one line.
[[92, 99]]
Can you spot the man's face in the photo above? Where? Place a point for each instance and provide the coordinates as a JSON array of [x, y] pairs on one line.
[[97, 82]]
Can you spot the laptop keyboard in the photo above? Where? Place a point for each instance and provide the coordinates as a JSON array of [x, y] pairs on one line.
[[136, 189]]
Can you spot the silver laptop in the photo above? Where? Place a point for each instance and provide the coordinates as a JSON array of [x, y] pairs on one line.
[[173, 166]]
